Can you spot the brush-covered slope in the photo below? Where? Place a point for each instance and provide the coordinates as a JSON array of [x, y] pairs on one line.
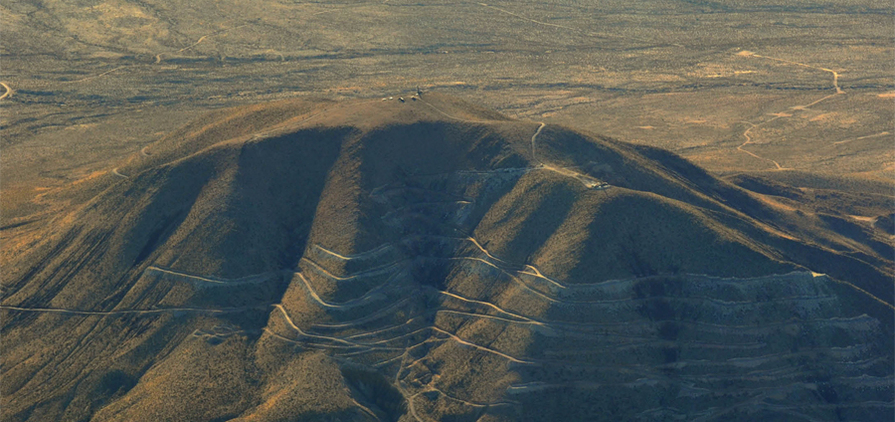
[[430, 260]]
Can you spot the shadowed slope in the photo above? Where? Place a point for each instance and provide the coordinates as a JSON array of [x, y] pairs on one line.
[[425, 260]]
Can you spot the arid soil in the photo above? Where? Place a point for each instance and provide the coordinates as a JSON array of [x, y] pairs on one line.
[[430, 259]]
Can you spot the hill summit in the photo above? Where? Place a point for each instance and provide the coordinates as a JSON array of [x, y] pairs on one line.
[[427, 259]]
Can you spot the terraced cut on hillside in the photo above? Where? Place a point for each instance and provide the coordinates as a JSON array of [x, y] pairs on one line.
[[430, 260]]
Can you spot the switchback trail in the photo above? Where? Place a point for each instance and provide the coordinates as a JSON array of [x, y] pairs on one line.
[[377, 345], [346, 305]]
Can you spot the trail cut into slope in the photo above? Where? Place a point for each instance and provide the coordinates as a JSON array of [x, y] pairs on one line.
[[426, 260]]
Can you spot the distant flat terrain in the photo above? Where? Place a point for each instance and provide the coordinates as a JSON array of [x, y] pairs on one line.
[[801, 85]]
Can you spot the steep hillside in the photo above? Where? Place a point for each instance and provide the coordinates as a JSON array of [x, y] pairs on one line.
[[431, 260]]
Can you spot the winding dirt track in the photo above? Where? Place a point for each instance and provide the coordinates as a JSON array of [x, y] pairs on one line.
[[372, 252], [369, 296], [534, 137], [377, 345], [158, 57], [467, 402], [586, 180], [8, 90], [190, 276], [367, 341], [305, 334], [835, 74], [448, 115], [364, 274], [96, 76], [492, 306], [409, 398], [752, 126], [569, 28], [749, 141], [534, 272], [115, 172], [876, 135], [209, 280], [482, 348]]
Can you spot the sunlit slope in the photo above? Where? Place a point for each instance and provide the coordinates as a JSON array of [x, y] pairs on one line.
[[379, 260]]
